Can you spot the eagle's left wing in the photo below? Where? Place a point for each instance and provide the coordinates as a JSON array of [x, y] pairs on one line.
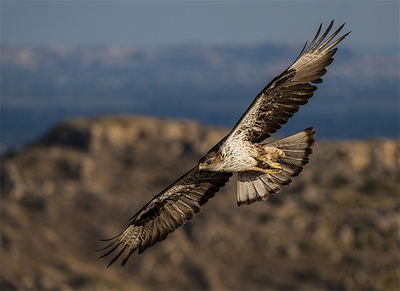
[[167, 211], [282, 97]]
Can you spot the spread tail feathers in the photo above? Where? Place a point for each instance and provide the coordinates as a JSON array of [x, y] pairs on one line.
[[253, 185]]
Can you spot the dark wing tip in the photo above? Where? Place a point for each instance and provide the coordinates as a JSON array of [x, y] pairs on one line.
[[346, 34], [117, 256], [302, 50], [316, 44], [109, 239], [310, 129], [314, 39], [110, 251], [104, 248]]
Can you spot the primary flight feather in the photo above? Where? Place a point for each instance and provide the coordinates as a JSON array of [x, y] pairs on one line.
[[262, 166]]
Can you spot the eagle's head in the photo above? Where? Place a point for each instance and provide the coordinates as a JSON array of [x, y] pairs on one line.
[[212, 161]]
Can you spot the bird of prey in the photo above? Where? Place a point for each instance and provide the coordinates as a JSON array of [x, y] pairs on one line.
[[262, 166]]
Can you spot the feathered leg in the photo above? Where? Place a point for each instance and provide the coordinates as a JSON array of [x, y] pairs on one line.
[[291, 154]]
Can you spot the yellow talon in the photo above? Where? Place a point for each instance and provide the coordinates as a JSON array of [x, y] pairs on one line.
[[273, 171], [276, 166]]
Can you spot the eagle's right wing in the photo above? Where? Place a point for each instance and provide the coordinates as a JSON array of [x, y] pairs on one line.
[[282, 97], [167, 211]]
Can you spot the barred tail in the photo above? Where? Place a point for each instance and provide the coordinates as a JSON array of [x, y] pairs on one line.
[[253, 186]]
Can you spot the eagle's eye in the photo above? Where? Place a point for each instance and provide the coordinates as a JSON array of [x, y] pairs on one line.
[[207, 161]]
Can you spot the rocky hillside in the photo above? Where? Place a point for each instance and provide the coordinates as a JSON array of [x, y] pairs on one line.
[[335, 227]]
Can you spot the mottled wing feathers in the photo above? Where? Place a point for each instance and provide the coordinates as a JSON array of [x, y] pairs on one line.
[[167, 211], [282, 97]]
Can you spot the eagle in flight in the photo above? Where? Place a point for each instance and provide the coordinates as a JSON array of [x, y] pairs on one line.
[[262, 166]]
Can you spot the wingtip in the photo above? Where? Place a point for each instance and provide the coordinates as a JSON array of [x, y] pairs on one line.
[[346, 34], [340, 27], [310, 131], [109, 265], [311, 128], [302, 50], [117, 256], [331, 24], [104, 248]]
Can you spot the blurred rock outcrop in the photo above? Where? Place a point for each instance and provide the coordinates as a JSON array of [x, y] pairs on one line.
[[335, 227]]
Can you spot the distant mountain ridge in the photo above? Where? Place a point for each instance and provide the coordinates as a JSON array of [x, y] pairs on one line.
[[209, 83], [334, 228]]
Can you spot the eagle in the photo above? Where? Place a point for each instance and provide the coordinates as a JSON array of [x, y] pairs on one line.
[[262, 166]]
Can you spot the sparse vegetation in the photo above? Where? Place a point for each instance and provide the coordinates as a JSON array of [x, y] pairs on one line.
[[336, 227]]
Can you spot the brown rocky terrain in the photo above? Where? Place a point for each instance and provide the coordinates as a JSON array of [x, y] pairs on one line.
[[336, 227]]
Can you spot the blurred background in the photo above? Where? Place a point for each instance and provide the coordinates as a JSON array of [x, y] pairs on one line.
[[203, 61], [104, 103]]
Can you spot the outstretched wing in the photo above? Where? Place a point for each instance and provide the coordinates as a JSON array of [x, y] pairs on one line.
[[167, 211], [282, 97]]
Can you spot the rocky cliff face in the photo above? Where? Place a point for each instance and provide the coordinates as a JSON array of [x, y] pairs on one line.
[[335, 227]]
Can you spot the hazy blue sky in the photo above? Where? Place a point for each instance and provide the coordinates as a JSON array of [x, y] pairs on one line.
[[373, 23]]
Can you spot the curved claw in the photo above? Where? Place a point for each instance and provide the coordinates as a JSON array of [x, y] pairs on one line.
[[273, 171], [276, 166]]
